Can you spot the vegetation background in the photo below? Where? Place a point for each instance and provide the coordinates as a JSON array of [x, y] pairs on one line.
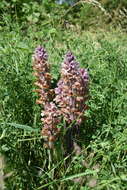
[[95, 31]]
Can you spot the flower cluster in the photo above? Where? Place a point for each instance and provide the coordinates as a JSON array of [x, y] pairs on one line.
[[50, 119], [70, 95], [50, 113], [42, 73], [72, 90]]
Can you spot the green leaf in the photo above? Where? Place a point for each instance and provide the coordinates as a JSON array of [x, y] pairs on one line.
[[24, 127], [88, 172]]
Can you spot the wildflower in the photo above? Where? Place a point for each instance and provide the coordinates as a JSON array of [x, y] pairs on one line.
[[72, 90], [71, 95], [50, 119], [50, 113], [43, 76]]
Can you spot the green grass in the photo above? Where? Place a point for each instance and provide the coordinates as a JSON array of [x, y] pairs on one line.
[[103, 135]]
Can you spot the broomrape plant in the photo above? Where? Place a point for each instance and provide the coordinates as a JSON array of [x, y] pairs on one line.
[[67, 101]]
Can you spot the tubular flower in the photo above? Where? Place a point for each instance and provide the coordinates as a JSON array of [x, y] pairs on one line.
[[50, 113], [43, 76], [50, 119], [72, 90], [70, 95]]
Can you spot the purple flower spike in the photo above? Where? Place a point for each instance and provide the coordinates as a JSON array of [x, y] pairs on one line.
[[72, 92], [67, 101], [69, 66], [69, 57], [41, 53], [43, 76]]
